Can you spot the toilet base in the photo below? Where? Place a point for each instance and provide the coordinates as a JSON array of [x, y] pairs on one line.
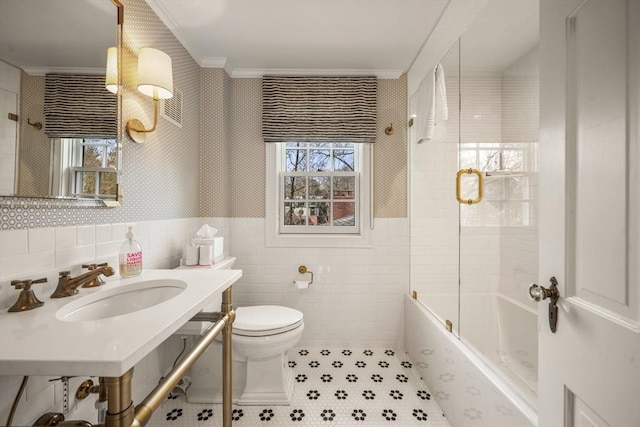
[[268, 382], [255, 382]]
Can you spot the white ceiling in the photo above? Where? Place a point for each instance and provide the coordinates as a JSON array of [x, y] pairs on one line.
[[57, 35], [252, 36]]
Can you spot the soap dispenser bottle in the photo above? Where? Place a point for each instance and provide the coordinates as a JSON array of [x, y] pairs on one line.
[[130, 256]]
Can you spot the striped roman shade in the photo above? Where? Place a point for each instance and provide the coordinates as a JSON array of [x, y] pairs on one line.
[[319, 109], [78, 106]]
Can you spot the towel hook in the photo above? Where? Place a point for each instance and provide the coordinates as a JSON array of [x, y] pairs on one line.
[[36, 125], [389, 129], [303, 270]]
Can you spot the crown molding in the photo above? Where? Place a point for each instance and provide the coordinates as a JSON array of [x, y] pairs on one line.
[[214, 62], [177, 31], [251, 73]]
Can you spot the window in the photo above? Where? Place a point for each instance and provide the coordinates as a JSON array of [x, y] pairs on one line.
[[319, 188], [509, 170], [87, 167], [317, 191]]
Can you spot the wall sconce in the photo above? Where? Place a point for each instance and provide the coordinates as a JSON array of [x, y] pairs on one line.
[[155, 79], [111, 80]]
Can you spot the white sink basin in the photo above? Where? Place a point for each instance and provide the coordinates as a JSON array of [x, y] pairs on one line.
[[121, 300]]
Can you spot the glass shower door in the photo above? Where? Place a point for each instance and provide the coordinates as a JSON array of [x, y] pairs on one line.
[[498, 239], [434, 212]]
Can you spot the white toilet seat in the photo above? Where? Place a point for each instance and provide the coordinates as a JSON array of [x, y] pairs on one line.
[[265, 320]]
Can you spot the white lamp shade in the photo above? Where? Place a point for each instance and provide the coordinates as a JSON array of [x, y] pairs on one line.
[[155, 75], [111, 82]]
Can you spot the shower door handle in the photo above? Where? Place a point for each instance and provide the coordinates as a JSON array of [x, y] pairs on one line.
[[539, 293], [469, 171]]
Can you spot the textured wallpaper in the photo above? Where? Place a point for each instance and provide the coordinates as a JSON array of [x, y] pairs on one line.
[[215, 134], [244, 150], [390, 152], [35, 148], [215, 164]]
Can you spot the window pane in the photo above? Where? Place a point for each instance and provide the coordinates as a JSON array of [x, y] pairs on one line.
[[112, 156], [344, 214], [344, 145], [295, 187], [512, 160], [296, 144], [516, 187], [92, 156], [343, 160], [489, 160], [319, 213], [108, 183], [319, 144], [319, 187], [344, 187], [296, 160], [88, 180], [468, 159], [493, 189], [319, 160], [294, 214]]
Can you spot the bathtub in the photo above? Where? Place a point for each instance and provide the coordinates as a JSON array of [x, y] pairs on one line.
[[463, 376]]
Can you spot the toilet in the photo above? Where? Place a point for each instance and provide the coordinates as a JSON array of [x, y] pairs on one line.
[[261, 375]]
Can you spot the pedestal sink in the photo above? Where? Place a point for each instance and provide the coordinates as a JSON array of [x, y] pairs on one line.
[[121, 301]]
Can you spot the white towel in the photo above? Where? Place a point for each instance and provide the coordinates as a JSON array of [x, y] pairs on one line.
[[431, 103]]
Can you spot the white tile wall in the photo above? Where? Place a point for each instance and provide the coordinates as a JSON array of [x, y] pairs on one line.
[[356, 296]]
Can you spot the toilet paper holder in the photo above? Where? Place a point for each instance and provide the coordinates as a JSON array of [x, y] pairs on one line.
[[303, 270]]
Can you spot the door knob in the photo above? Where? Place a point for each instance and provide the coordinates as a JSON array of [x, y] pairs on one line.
[[539, 293]]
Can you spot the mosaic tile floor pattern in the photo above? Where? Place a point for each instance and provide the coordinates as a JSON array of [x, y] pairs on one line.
[[339, 387]]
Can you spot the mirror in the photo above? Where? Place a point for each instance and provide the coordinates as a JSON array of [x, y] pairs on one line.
[[60, 45]]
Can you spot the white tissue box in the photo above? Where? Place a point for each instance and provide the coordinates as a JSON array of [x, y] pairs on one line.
[[216, 243]]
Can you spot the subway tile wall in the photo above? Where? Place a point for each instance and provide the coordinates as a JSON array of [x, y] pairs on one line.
[[356, 295]]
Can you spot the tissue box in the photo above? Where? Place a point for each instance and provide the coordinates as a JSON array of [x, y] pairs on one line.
[[216, 243]]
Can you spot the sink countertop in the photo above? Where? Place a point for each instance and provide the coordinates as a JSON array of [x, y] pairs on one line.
[[35, 342]]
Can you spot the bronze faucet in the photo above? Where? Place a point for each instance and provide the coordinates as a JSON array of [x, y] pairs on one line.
[[67, 285]]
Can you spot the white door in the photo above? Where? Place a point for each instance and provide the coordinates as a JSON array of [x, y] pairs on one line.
[[589, 214]]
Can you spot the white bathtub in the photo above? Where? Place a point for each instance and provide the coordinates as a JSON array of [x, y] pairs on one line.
[[471, 389]]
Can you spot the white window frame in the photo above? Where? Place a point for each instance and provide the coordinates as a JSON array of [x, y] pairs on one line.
[[66, 169], [275, 238]]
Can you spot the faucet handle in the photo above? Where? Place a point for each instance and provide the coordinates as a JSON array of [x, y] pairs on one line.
[[64, 273], [93, 266], [27, 300], [26, 284]]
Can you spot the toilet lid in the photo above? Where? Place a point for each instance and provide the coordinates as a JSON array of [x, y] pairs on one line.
[[265, 318]]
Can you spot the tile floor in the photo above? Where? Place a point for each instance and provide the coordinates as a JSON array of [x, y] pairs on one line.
[[340, 387]]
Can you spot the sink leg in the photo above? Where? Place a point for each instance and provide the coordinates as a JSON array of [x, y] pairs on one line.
[[120, 409], [227, 308]]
